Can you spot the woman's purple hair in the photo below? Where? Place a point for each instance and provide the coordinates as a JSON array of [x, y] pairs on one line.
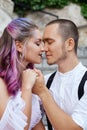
[[18, 30]]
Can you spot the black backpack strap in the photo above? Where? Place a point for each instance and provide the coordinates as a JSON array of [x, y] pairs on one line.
[[81, 86], [50, 80], [48, 86], [49, 124]]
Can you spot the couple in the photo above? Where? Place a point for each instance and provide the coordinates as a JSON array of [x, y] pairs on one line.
[[21, 47]]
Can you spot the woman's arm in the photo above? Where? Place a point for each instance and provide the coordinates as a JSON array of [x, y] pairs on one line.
[[12, 108], [28, 79], [4, 97]]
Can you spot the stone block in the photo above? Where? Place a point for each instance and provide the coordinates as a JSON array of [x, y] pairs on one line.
[[7, 6]]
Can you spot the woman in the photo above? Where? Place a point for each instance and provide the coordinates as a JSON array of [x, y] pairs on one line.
[[20, 47]]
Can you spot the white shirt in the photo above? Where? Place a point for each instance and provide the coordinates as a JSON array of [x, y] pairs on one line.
[[64, 89], [14, 118]]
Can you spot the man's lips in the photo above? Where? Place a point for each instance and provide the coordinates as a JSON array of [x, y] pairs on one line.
[[48, 56]]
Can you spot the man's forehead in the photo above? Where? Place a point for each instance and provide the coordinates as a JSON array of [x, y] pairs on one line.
[[50, 31], [54, 26]]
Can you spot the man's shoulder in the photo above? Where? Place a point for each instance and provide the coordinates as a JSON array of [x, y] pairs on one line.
[[46, 77], [82, 66], [81, 69]]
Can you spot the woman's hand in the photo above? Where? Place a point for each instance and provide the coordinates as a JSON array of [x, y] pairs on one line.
[[39, 85], [28, 78]]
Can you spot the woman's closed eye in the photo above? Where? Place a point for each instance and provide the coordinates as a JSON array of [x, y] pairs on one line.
[[38, 43]]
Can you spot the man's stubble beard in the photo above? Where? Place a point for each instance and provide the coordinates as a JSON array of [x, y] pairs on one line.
[[61, 59]]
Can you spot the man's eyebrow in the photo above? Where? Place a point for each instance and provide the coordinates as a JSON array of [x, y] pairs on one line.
[[47, 39]]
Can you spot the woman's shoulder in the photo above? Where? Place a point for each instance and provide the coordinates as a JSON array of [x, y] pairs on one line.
[[2, 85], [3, 88], [1, 81]]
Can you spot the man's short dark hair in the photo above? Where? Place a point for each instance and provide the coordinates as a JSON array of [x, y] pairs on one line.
[[67, 29]]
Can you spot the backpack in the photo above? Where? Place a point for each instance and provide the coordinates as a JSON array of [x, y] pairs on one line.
[[80, 91]]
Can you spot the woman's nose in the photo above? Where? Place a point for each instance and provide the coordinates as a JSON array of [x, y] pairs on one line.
[[42, 47]]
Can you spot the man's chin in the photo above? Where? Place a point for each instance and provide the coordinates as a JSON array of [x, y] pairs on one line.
[[50, 63]]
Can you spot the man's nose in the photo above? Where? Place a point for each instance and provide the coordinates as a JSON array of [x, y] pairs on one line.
[[45, 47]]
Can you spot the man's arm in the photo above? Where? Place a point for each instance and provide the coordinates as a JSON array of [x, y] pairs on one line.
[[59, 119]]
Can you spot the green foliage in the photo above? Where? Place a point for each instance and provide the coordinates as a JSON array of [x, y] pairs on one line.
[[84, 10], [56, 3], [23, 6]]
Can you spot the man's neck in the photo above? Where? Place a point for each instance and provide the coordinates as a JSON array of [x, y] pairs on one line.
[[68, 65]]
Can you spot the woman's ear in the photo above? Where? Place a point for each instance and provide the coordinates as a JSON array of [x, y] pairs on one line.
[[19, 46], [70, 44]]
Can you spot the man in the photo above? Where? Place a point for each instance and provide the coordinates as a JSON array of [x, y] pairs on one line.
[[62, 106]]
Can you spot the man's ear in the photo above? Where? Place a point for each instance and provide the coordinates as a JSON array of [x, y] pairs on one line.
[[19, 46], [70, 44]]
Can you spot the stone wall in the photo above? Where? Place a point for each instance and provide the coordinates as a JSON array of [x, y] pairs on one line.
[[7, 6], [6, 11]]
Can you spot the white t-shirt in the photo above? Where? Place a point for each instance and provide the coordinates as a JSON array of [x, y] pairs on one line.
[[14, 118], [64, 89]]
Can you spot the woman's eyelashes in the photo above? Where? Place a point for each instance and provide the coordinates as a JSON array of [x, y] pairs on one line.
[[38, 43]]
